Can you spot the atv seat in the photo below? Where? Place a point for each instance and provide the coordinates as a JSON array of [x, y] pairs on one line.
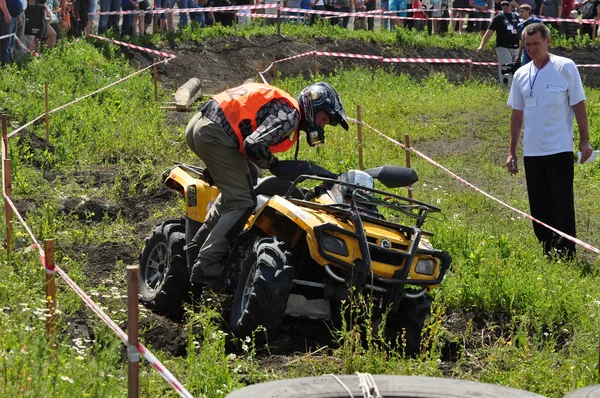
[[270, 186]]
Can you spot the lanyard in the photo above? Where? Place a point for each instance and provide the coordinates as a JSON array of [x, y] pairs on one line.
[[531, 83]]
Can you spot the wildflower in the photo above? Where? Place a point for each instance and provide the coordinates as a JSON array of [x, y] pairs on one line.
[[232, 356], [245, 347], [65, 378]]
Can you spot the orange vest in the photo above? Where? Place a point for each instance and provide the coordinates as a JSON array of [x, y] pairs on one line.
[[243, 102]]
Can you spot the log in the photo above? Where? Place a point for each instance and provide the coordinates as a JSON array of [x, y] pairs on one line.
[[187, 94]]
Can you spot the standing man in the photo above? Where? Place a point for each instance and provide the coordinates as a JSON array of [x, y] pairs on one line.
[[545, 94], [507, 40], [247, 124], [526, 19]]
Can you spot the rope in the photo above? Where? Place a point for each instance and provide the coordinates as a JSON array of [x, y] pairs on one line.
[[368, 386], [341, 383]]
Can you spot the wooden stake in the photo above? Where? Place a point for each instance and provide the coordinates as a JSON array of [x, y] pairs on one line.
[[47, 114], [274, 65], [407, 157], [8, 210], [4, 136], [155, 82], [50, 291], [175, 70], [360, 141], [315, 71], [133, 379]]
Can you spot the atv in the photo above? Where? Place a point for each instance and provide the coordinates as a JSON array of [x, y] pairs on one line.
[[314, 239]]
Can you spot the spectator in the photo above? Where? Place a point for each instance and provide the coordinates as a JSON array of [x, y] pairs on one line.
[[20, 50], [526, 19], [78, 24], [481, 12], [371, 5], [552, 9], [532, 4], [318, 5], [458, 13], [241, 127], [107, 22], [419, 16], [398, 5], [6, 28], [298, 16], [360, 23], [343, 6], [438, 8], [385, 6], [544, 96], [127, 6], [89, 28], [507, 41], [590, 9], [329, 5], [305, 5]]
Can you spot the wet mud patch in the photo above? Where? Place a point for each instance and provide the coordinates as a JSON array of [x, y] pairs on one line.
[[96, 210], [102, 260], [163, 334]]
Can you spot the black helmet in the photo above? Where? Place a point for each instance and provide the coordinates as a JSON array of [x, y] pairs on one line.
[[320, 97]]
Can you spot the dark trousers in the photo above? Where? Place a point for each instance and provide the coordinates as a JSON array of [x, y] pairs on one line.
[[78, 24], [370, 7], [550, 189]]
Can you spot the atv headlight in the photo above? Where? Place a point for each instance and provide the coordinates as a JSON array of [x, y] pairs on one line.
[[335, 245], [425, 267]]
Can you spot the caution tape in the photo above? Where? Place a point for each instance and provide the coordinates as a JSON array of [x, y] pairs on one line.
[[148, 50], [183, 10], [479, 190], [427, 60], [6, 36]]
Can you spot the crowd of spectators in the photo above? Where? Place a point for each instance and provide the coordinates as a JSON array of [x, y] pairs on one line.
[[47, 22]]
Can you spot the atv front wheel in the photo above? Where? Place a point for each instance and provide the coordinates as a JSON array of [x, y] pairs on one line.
[[263, 289], [406, 326], [164, 280]]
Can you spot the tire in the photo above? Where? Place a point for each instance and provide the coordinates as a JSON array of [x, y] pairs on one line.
[[263, 288], [585, 392], [388, 386], [164, 281], [406, 326]]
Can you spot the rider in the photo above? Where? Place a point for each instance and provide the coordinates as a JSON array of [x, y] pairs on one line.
[[244, 125]]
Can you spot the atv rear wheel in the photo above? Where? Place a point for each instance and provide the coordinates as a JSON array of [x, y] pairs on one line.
[[164, 280], [263, 289]]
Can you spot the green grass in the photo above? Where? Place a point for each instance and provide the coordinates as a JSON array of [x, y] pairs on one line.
[[542, 315]]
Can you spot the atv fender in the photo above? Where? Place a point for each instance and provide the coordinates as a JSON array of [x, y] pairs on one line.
[[198, 194], [279, 217]]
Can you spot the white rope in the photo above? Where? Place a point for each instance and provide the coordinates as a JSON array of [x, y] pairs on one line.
[[341, 383], [368, 386]]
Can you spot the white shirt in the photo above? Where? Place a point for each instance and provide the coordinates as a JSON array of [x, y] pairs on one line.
[[547, 97]]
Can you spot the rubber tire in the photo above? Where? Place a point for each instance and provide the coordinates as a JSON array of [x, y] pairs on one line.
[[263, 288], [408, 323], [585, 392], [164, 287], [388, 386]]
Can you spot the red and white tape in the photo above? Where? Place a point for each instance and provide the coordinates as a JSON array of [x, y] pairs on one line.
[[183, 10], [427, 60], [7, 36], [468, 184], [148, 50]]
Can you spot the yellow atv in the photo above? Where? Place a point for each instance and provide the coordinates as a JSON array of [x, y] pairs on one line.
[[305, 249]]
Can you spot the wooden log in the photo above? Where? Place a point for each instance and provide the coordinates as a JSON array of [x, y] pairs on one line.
[[187, 94]]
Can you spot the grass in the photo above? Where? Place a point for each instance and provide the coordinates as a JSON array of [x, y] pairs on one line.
[[530, 323]]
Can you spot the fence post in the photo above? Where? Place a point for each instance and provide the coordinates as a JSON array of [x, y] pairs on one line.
[[50, 290], [47, 114], [133, 379], [314, 59], [155, 78], [7, 184], [274, 65], [470, 70], [175, 67], [407, 157], [360, 140]]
